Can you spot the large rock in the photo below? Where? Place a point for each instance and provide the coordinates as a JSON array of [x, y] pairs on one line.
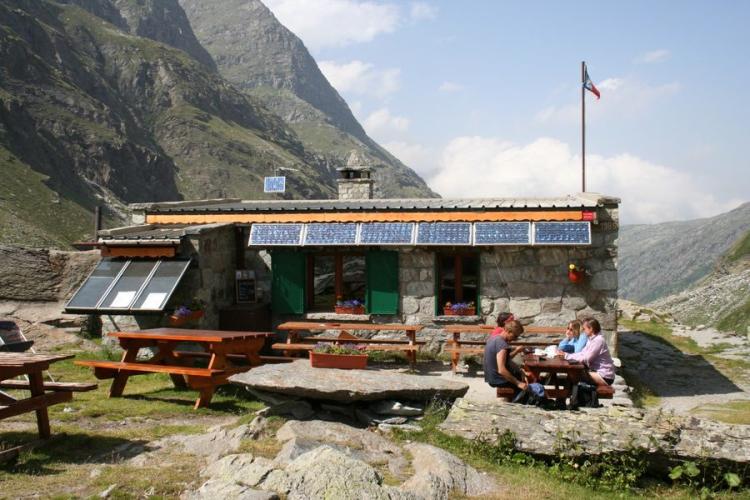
[[301, 437], [439, 475], [328, 473], [244, 469], [300, 379], [594, 431], [218, 488]]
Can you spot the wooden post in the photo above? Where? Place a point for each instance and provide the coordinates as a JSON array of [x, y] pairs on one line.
[[583, 126], [97, 221]]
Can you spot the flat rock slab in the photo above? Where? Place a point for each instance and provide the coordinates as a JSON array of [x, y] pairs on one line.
[[300, 379], [593, 431]]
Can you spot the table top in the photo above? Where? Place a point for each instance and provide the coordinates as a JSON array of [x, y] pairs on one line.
[[187, 335], [488, 329], [28, 358], [314, 325], [551, 364]]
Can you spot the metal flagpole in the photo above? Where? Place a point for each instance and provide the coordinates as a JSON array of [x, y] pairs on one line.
[[583, 126]]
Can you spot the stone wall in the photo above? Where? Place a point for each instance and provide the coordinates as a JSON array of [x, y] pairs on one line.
[[355, 189]]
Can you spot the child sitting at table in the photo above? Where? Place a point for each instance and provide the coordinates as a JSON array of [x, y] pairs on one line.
[[499, 370], [573, 341]]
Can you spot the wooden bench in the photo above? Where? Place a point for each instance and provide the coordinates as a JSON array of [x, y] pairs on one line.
[[281, 346], [49, 386], [603, 391], [108, 369]]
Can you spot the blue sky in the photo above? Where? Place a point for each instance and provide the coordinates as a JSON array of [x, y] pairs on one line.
[[482, 98]]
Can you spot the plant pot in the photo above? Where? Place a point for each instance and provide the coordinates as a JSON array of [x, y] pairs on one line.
[[576, 276], [175, 320], [341, 361], [469, 311], [349, 309]]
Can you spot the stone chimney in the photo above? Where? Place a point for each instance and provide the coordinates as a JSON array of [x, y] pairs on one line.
[[355, 182]]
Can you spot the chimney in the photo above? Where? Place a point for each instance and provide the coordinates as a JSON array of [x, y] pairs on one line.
[[354, 180]]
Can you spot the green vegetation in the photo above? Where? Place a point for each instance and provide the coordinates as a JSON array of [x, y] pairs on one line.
[[737, 320], [740, 249], [733, 412]]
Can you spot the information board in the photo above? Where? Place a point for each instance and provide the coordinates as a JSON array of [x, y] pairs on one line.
[[562, 233], [444, 233], [502, 233], [386, 233], [276, 234], [331, 234]]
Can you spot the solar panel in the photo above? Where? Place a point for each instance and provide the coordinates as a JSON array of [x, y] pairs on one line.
[[156, 293], [444, 233], [98, 282], [274, 184], [276, 234], [502, 233], [562, 233], [331, 234], [387, 233]]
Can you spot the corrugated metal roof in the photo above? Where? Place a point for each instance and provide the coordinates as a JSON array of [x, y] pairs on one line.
[[582, 200], [162, 233]]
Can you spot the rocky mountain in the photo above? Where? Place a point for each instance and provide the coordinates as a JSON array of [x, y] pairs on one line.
[[656, 260], [721, 299], [107, 102], [255, 52]]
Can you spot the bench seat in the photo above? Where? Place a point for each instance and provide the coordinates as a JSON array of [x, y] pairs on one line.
[[603, 391], [378, 347], [49, 386], [107, 369], [346, 340]]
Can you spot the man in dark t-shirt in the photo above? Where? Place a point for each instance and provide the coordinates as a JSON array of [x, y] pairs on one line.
[[499, 370]]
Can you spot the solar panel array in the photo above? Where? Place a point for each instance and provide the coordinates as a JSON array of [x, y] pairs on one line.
[[444, 233], [562, 233], [502, 233], [331, 234], [276, 234], [387, 233], [274, 184], [423, 233]]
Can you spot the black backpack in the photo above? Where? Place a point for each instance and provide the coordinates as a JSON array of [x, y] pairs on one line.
[[583, 395]]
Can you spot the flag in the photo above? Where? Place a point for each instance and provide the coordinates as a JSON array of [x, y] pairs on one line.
[[588, 84]]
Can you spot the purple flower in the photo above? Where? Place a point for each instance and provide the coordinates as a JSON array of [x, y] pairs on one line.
[[182, 312]]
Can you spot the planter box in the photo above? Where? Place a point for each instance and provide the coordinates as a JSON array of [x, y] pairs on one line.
[[175, 320], [341, 361], [349, 310], [470, 311]]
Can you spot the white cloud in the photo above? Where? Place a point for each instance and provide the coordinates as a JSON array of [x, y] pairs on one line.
[[621, 97], [654, 56], [384, 126], [357, 77], [336, 23], [450, 87], [416, 156], [489, 167], [422, 11]]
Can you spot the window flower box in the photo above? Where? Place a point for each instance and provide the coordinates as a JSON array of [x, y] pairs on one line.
[[340, 361], [459, 309], [182, 319], [349, 309]]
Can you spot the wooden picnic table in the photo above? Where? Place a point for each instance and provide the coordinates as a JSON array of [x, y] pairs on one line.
[[32, 365], [222, 348], [456, 346], [554, 366], [296, 343]]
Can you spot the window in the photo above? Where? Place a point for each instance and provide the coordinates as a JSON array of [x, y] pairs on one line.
[[458, 278], [335, 276]]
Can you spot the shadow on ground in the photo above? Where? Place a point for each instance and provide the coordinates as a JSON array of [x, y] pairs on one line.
[[668, 371]]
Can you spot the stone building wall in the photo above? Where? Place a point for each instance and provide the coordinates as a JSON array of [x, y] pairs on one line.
[[355, 189]]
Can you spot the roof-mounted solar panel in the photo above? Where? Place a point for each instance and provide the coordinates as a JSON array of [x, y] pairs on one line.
[[331, 234], [276, 234], [502, 233], [562, 233], [444, 233], [387, 233]]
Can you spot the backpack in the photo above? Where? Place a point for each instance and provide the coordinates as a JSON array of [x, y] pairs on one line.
[[583, 395]]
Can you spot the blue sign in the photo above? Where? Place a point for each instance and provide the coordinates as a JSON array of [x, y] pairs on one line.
[[274, 184]]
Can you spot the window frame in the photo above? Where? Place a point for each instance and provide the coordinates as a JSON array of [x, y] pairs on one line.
[[338, 267], [458, 277]]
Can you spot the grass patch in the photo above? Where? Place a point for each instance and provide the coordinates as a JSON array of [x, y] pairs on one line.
[[738, 320], [733, 412]]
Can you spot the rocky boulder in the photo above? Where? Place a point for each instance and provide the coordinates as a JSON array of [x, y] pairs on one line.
[[300, 379]]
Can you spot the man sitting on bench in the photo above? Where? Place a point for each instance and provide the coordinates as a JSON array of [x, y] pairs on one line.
[[499, 370]]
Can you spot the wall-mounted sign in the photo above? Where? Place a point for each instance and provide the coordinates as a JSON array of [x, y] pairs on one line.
[[274, 184], [245, 287]]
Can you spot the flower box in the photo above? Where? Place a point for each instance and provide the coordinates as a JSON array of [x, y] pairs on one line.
[[341, 361], [179, 320], [349, 309], [467, 311]]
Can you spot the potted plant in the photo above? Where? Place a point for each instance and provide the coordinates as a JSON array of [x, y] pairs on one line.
[[186, 313], [576, 274], [343, 356], [459, 309], [353, 306]]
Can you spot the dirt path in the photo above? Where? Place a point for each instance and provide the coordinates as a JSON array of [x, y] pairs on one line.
[[685, 381]]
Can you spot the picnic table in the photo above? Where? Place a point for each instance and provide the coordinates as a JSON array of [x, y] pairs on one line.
[[223, 349], [457, 346], [296, 343], [31, 365]]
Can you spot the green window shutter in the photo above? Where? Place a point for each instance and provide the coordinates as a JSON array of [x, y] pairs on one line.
[[288, 282], [382, 282]]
